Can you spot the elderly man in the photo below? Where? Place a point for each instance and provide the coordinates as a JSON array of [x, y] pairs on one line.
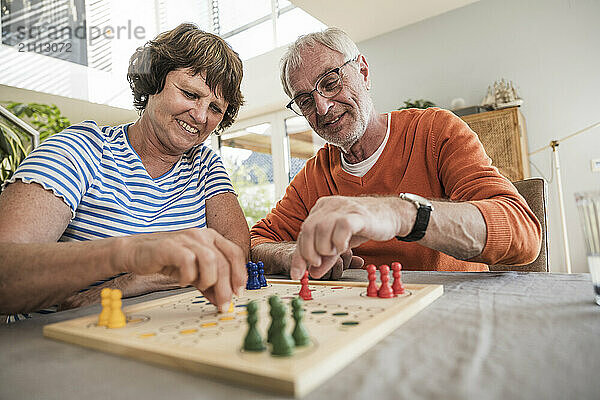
[[413, 186]]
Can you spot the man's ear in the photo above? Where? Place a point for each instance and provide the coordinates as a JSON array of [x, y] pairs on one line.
[[364, 70]]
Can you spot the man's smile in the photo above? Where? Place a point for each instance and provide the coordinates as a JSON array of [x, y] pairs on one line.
[[332, 121]]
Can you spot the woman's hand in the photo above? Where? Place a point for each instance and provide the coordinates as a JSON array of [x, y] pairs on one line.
[[199, 257]]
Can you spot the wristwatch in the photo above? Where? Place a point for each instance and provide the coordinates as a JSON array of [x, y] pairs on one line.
[[424, 209]]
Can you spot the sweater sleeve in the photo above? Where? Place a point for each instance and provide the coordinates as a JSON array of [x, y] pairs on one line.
[[284, 221], [513, 232]]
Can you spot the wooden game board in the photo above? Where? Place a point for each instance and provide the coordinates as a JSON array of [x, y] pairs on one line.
[[185, 331]]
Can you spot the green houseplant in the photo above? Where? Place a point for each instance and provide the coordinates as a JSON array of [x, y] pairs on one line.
[[417, 104], [16, 144], [46, 119], [13, 149]]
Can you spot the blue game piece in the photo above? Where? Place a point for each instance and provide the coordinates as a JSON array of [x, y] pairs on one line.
[[261, 274], [253, 282], [248, 267]]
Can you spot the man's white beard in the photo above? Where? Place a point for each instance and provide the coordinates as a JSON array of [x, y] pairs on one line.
[[354, 136]]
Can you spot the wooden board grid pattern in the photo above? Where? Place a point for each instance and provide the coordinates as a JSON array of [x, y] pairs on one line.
[[183, 332]]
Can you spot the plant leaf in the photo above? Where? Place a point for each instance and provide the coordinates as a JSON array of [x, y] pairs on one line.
[[4, 146]]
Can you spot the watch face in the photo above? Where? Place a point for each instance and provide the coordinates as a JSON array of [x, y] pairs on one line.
[[416, 199]]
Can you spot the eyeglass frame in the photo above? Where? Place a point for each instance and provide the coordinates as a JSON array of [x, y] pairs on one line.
[[338, 71]]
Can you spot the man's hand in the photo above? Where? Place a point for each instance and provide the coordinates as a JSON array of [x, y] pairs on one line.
[[278, 256], [337, 224], [341, 263], [199, 257]]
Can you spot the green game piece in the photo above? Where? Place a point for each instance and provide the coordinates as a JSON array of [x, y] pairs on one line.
[[272, 301], [253, 341], [300, 334], [283, 344]]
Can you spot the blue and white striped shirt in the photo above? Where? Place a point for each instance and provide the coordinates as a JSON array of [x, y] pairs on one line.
[[102, 179]]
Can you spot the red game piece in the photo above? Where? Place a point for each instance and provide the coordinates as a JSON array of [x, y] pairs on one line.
[[305, 291], [385, 291], [372, 288], [397, 286]]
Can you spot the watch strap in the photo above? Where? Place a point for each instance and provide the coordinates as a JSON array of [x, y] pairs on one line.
[[420, 226]]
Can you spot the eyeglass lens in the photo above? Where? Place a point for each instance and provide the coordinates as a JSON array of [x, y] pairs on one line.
[[328, 86]]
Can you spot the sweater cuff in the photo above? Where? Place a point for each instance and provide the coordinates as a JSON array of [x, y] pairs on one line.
[[254, 241], [498, 239]]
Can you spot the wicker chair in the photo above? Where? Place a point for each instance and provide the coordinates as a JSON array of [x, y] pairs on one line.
[[535, 192]]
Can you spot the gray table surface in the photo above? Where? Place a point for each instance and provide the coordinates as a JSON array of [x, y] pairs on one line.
[[490, 336]]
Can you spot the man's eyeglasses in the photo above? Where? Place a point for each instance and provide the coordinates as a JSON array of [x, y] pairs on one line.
[[328, 85]]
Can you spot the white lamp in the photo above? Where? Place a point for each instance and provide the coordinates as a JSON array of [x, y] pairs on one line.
[[554, 145]]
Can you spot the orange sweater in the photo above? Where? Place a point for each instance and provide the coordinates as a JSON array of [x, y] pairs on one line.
[[431, 153]]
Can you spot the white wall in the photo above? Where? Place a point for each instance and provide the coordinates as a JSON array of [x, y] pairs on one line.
[[261, 85], [550, 49]]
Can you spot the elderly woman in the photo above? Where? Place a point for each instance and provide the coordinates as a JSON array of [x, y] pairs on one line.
[[142, 206]]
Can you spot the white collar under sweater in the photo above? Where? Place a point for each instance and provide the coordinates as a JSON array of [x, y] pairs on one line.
[[361, 168]]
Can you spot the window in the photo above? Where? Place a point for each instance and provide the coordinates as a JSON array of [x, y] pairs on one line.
[[247, 157], [54, 28], [253, 41], [294, 23], [81, 48], [303, 143], [255, 27]]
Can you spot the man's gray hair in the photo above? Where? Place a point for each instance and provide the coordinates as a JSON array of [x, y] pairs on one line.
[[334, 38]]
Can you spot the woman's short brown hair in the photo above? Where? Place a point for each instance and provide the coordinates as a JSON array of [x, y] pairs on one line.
[[187, 47]]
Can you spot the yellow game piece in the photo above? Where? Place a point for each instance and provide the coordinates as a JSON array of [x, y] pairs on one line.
[[230, 307], [116, 318], [147, 335], [188, 331], [105, 313], [208, 324], [226, 318]]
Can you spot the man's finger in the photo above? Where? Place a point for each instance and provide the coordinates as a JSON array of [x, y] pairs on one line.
[[306, 246], [327, 276], [327, 263], [346, 258], [356, 262], [298, 266], [323, 243], [341, 234], [337, 270]]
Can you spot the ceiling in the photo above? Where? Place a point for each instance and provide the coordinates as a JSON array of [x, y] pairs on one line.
[[365, 19]]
